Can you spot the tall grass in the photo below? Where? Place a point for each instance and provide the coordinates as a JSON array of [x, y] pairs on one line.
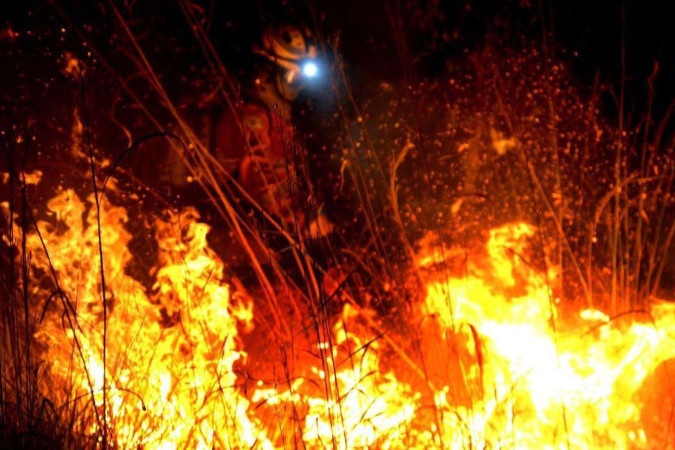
[[502, 134], [31, 417]]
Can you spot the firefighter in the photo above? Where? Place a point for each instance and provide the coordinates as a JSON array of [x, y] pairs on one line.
[[259, 147]]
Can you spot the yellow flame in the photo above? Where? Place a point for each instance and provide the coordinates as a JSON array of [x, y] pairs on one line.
[[500, 366], [168, 386], [549, 386]]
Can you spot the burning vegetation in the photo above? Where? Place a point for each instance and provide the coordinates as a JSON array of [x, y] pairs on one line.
[[498, 271]]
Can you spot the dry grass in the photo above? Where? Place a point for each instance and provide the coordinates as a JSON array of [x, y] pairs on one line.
[[510, 138]]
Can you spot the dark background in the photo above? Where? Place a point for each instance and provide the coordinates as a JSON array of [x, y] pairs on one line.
[[598, 33], [611, 47], [613, 40], [615, 44]]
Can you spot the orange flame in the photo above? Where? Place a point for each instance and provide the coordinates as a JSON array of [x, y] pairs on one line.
[[169, 385], [503, 368], [546, 385]]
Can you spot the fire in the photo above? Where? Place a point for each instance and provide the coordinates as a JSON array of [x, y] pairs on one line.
[[360, 406], [546, 383], [504, 365], [167, 379]]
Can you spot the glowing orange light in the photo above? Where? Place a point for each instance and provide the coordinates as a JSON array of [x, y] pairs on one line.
[[526, 379]]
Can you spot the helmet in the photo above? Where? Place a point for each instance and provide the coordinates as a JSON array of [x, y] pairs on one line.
[[293, 50]]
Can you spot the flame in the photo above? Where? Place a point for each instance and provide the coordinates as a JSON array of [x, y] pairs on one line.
[[73, 67], [547, 384], [168, 385], [360, 406], [501, 365]]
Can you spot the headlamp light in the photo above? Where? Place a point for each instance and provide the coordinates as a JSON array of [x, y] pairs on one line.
[[309, 69]]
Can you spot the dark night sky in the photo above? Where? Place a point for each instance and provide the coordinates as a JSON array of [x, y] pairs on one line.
[[596, 31], [436, 33]]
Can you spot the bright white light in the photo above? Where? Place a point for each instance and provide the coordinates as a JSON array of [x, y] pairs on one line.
[[310, 69]]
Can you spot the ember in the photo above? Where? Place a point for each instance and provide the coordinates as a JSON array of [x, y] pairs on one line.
[[469, 254]]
